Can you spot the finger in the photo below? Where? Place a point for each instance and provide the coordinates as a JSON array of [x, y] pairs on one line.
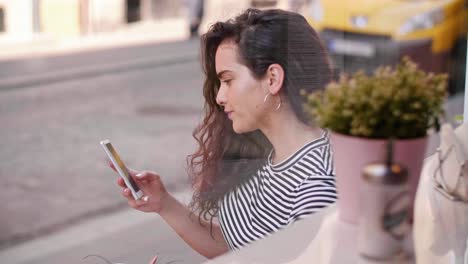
[[133, 204], [110, 164], [143, 201], [121, 182], [127, 194], [132, 171], [136, 204], [154, 260], [145, 176]]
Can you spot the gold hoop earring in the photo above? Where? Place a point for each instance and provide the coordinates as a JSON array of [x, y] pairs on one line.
[[279, 105]]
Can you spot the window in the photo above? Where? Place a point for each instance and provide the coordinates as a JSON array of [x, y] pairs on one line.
[[133, 10], [2, 20]]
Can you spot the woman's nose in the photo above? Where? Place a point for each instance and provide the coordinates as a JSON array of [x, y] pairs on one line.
[[221, 96]]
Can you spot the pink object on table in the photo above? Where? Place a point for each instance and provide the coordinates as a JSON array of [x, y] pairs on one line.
[[350, 154]]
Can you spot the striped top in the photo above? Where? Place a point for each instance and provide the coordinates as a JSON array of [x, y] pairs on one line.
[[277, 195]]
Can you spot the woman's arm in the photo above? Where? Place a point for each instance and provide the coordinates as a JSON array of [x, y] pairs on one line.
[[178, 216], [196, 235]]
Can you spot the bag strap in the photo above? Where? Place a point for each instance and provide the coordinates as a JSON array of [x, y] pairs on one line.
[[451, 174]]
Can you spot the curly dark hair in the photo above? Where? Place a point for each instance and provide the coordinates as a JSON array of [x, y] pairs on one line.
[[224, 159]]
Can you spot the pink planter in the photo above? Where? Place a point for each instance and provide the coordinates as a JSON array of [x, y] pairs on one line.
[[352, 153]]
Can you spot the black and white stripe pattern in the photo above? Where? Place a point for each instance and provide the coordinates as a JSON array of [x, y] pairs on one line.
[[279, 194]]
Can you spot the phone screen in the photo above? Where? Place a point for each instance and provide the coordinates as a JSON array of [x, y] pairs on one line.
[[120, 166]]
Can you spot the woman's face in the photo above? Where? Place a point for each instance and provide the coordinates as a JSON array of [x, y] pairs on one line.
[[240, 93]]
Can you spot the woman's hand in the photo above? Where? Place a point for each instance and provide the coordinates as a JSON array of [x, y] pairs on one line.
[[154, 260], [206, 241], [155, 194]]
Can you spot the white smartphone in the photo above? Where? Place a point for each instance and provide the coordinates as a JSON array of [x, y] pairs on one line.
[[121, 169]]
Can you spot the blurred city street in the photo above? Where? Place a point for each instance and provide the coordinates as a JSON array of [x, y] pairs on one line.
[[57, 174]]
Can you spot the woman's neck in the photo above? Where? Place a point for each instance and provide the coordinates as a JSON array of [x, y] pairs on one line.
[[287, 134]]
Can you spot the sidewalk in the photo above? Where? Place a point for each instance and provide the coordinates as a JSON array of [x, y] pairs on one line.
[[108, 236], [21, 73], [166, 30]]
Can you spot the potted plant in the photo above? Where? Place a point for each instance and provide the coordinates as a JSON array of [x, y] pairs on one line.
[[363, 112]]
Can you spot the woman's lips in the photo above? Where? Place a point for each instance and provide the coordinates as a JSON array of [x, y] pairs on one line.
[[229, 114]]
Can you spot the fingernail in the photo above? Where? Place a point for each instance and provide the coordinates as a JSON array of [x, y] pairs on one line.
[[145, 198]]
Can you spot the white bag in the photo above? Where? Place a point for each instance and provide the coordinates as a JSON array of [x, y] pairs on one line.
[[448, 196], [451, 174]]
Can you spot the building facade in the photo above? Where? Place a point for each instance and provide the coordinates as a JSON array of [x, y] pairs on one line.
[[73, 17]]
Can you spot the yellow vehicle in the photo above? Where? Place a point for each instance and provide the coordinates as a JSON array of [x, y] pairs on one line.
[[362, 34]]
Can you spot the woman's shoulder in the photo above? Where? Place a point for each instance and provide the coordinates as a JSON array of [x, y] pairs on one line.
[[314, 158]]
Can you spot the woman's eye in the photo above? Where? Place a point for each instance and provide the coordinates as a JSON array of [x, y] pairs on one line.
[[227, 81]]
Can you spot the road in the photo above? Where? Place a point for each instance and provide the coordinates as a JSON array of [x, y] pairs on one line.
[[31, 72], [126, 236], [53, 171]]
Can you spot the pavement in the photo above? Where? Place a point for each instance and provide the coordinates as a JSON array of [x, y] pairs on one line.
[[44, 70], [126, 236], [39, 45]]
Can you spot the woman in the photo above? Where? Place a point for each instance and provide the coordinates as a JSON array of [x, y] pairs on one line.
[[259, 166]]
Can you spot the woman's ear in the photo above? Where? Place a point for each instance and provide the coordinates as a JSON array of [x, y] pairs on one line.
[[274, 78]]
